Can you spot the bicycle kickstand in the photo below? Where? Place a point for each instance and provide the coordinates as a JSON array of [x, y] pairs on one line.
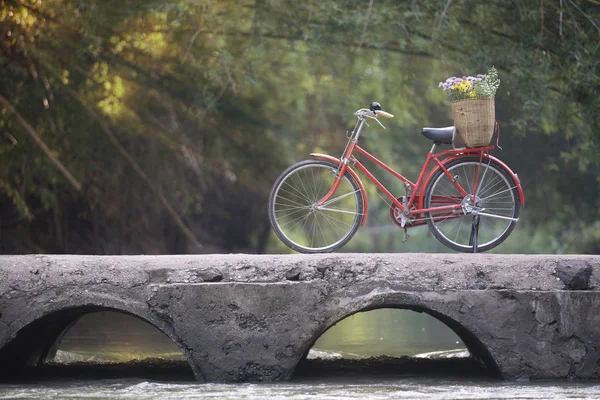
[[406, 236], [475, 233]]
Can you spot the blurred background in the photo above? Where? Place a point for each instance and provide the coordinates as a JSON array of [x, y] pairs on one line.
[[156, 127]]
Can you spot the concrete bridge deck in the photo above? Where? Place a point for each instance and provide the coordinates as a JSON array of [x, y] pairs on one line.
[[253, 317]]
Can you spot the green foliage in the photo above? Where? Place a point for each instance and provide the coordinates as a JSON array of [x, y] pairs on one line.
[[212, 99]]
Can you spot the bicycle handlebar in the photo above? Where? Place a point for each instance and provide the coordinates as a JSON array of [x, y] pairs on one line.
[[384, 114], [372, 113], [364, 112]]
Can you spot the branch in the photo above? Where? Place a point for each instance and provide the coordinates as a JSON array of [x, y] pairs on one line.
[[38, 140], [111, 137], [585, 15], [503, 35], [274, 36], [187, 51], [362, 37], [165, 203], [442, 17]]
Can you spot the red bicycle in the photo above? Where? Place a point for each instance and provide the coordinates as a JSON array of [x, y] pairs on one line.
[[469, 199]]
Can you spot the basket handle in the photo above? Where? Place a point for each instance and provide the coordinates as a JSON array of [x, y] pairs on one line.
[[497, 129], [453, 138]]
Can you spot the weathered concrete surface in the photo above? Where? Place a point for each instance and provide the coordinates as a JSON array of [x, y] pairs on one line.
[[248, 318]]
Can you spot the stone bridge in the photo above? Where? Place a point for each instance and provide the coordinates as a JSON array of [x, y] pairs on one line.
[[250, 318]]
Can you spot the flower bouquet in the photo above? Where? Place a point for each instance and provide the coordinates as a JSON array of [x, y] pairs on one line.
[[473, 107]]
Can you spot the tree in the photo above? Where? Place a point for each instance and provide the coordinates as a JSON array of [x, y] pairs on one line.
[[175, 117]]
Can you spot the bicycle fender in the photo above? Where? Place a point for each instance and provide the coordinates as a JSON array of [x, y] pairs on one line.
[[514, 177], [510, 173], [355, 176]]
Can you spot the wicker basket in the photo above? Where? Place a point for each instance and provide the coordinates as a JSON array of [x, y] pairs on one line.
[[474, 121]]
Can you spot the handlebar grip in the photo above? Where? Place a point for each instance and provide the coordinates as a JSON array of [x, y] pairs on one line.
[[384, 114]]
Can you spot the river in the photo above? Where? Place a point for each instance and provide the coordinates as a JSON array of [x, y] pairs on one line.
[[369, 388], [110, 337]]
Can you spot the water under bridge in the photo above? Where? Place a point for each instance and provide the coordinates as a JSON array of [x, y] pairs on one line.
[[254, 317]]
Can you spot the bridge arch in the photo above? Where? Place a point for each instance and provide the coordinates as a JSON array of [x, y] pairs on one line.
[[412, 302], [33, 339]]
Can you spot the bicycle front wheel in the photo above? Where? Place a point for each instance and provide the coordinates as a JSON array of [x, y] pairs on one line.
[[496, 205], [302, 225]]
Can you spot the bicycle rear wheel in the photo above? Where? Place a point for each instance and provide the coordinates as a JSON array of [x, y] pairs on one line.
[[296, 219], [497, 200]]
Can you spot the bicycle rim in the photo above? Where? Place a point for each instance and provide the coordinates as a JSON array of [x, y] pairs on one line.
[[496, 194], [303, 226]]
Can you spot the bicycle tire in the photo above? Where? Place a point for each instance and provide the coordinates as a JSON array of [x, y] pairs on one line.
[[497, 193], [295, 202]]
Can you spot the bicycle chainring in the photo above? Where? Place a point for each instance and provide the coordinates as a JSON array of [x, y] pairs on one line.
[[396, 215]]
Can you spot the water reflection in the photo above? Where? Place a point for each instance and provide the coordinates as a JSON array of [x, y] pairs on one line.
[[109, 336], [390, 332]]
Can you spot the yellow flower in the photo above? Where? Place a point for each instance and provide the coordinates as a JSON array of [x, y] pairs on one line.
[[468, 84], [471, 95]]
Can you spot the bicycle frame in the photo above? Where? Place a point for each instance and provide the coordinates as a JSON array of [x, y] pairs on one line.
[[416, 197]]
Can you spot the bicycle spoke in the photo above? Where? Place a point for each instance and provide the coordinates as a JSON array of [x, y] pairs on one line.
[[312, 236], [444, 220], [304, 188], [312, 173], [296, 219], [490, 187], [332, 225], [309, 191], [333, 200], [487, 185], [305, 221], [290, 207], [467, 182], [490, 223], [287, 215], [301, 195], [496, 194], [457, 225], [321, 230], [331, 217], [482, 179], [339, 211], [319, 189]]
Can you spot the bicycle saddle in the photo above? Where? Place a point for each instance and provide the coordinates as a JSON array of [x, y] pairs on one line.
[[439, 135]]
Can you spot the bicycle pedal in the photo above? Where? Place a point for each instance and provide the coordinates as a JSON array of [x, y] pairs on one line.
[[406, 236]]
